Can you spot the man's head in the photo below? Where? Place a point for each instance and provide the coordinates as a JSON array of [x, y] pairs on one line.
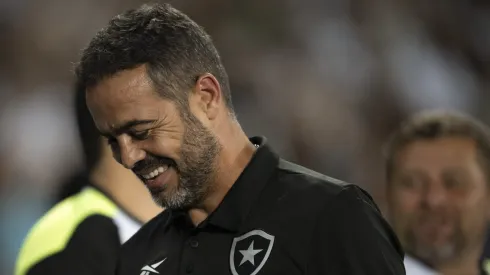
[[437, 168], [157, 89]]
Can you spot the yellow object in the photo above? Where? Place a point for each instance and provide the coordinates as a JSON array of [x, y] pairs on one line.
[[54, 230], [486, 266]]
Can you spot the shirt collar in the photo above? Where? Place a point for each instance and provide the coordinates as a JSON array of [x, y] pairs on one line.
[[416, 267], [237, 203]]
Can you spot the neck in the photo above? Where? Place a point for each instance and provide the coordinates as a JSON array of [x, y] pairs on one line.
[[125, 188], [236, 152]]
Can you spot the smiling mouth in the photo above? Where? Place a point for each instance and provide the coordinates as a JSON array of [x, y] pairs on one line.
[[152, 174]]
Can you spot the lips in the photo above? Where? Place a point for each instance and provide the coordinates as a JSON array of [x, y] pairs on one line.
[[156, 178], [155, 172], [434, 230]]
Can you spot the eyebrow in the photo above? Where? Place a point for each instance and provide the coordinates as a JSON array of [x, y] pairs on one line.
[[117, 130]]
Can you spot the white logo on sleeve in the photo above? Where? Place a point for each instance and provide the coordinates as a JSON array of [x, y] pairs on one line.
[[150, 269]]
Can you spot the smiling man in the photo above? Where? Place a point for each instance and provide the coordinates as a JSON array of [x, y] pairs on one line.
[[160, 140], [157, 89], [439, 192]]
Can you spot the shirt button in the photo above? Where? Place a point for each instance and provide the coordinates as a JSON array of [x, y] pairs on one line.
[[194, 243], [189, 268]]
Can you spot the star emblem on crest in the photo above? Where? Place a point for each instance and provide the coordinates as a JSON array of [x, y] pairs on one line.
[[249, 254]]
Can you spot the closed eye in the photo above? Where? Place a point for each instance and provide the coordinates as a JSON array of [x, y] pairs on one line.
[[141, 135]]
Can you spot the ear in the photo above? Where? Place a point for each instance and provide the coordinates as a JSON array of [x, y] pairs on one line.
[[208, 95]]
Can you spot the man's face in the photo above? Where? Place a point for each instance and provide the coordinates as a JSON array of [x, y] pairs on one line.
[[167, 147], [439, 199]]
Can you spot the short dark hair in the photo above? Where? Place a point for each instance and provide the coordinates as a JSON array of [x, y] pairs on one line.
[[175, 50], [89, 135], [434, 124]]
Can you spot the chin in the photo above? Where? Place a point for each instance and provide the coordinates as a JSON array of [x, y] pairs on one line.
[[436, 255], [173, 203]]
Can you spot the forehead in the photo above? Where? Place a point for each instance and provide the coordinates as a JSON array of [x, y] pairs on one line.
[[128, 95], [440, 152]]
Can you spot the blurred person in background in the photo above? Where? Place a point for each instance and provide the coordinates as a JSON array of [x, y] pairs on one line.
[[157, 89], [438, 192], [82, 234]]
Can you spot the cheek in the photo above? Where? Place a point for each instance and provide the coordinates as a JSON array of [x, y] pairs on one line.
[[478, 203], [404, 202], [164, 144], [475, 199], [402, 208], [475, 221], [474, 210]]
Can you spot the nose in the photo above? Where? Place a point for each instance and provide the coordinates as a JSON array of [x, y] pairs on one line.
[[435, 195], [129, 153]]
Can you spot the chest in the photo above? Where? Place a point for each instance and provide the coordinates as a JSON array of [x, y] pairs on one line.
[[253, 251], [274, 239]]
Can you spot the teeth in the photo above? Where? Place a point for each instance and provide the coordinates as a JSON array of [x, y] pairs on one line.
[[155, 172]]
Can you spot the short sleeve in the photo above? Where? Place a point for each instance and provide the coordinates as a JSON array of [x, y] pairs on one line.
[[352, 237]]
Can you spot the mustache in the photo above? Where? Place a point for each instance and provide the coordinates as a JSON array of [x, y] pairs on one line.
[[151, 162]]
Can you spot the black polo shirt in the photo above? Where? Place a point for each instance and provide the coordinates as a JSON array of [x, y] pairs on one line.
[[278, 218]]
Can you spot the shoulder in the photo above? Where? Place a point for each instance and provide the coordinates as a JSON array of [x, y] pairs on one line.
[[340, 206], [85, 215], [325, 196], [304, 182], [354, 216], [352, 204], [352, 234], [308, 196]]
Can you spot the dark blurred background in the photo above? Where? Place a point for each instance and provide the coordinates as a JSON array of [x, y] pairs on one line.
[[324, 80]]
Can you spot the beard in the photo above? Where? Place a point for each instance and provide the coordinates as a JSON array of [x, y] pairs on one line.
[[435, 253], [195, 169]]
